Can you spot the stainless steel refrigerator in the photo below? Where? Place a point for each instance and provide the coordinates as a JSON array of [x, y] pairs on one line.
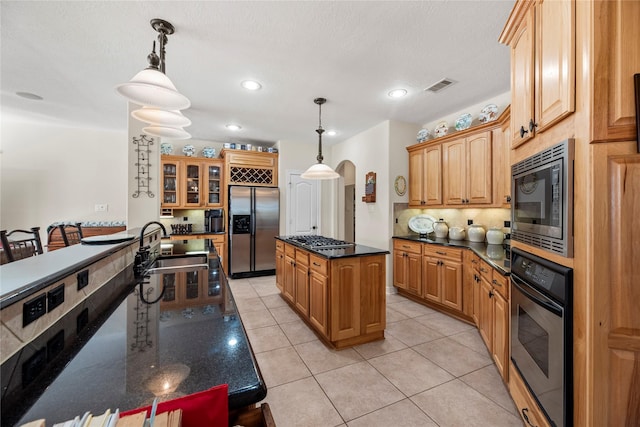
[[254, 222]]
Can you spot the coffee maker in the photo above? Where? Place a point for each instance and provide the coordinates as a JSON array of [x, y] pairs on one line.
[[214, 220]]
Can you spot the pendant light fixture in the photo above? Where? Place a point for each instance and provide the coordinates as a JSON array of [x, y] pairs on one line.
[[158, 96], [320, 170]]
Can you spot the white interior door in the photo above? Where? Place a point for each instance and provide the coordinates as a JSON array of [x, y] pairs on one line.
[[302, 205]]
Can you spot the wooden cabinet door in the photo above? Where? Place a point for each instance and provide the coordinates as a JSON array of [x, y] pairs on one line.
[[318, 307], [400, 269], [280, 269], [485, 326], [191, 184], [170, 183], [373, 277], [479, 167], [213, 186], [522, 80], [432, 170], [301, 295], [555, 62], [477, 294], [451, 284], [344, 321], [616, 61], [454, 167], [416, 177], [289, 278], [431, 279], [501, 152], [501, 335], [414, 273]]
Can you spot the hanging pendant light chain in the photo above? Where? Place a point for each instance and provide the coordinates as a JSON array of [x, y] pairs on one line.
[[320, 101]]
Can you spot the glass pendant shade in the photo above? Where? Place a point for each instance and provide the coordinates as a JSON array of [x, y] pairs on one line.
[[167, 132], [153, 88], [158, 117], [320, 171]]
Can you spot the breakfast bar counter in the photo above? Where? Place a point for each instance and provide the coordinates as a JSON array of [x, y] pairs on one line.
[[169, 335]]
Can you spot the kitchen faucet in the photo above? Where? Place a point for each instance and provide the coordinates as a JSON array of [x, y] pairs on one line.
[[141, 260]]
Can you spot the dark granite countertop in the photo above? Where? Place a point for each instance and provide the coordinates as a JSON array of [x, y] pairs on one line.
[[494, 255], [133, 351], [25, 277], [330, 253]]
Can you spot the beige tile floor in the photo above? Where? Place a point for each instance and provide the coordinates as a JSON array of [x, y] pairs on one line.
[[430, 370]]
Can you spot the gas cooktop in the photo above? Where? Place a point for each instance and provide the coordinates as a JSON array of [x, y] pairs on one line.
[[320, 242]]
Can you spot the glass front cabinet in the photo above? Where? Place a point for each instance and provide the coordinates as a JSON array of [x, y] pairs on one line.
[[170, 183], [189, 182]]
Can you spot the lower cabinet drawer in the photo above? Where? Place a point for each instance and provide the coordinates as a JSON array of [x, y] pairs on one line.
[[444, 252], [318, 264], [407, 246], [501, 284]]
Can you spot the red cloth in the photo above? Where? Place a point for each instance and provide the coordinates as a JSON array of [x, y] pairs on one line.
[[208, 408]]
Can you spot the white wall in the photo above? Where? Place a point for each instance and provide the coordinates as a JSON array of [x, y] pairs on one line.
[[51, 173]]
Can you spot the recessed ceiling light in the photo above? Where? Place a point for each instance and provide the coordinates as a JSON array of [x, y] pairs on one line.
[[232, 126], [332, 133], [251, 85], [398, 93], [29, 95]]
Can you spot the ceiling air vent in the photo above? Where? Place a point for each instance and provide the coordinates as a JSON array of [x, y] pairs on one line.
[[437, 87]]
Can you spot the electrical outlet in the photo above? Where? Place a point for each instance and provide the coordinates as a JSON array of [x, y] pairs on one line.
[[101, 207], [469, 222], [507, 224]]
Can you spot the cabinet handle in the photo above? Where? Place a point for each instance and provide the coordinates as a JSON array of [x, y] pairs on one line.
[[483, 269], [523, 131], [508, 199], [491, 293], [406, 246], [495, 282], [441, 253], [532, 125], [316, 264], [473, 261], [526, 417]]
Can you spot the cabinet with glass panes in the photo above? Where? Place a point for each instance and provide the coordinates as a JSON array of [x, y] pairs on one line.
[[189, 182]]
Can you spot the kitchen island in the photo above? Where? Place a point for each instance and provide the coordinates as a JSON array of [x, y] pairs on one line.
[[337, 288], [128, 342]]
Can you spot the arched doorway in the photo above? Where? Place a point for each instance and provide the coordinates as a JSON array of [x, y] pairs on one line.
[[347, 199]]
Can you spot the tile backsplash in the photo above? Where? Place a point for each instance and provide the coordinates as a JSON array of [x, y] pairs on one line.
[[490, 217]]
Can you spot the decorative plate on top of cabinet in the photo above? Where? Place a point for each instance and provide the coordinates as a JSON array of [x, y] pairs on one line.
[[441, 130], [488, 114], [464, 121], [423, 135]]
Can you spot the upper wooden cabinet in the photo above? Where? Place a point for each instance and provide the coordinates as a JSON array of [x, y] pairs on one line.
[[468, 168], [189, 182], [616, 59], [250, 168], [425, 179], [541, 35]]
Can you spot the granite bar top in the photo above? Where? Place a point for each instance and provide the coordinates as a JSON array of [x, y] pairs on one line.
[[355, 250], [136, 349], [494, 255], [25, 277]]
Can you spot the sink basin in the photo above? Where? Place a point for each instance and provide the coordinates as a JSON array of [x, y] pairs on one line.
[[177, 263]]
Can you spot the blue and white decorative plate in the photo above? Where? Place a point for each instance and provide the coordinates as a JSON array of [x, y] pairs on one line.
[[189, 150], [423, 135], [464, 121], [209, 152], [166, 148]]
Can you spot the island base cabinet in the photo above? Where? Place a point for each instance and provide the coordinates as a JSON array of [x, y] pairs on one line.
[[343, 299]]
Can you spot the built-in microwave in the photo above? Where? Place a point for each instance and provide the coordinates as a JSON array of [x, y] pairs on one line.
[[542, 199]]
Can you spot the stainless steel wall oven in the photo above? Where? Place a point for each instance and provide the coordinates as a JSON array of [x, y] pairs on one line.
[[541, 332], [542, 206]]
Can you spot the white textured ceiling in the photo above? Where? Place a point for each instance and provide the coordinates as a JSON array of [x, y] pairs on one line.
[[73, 53]]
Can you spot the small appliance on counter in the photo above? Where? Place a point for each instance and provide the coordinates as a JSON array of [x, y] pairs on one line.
[[214, 220]]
